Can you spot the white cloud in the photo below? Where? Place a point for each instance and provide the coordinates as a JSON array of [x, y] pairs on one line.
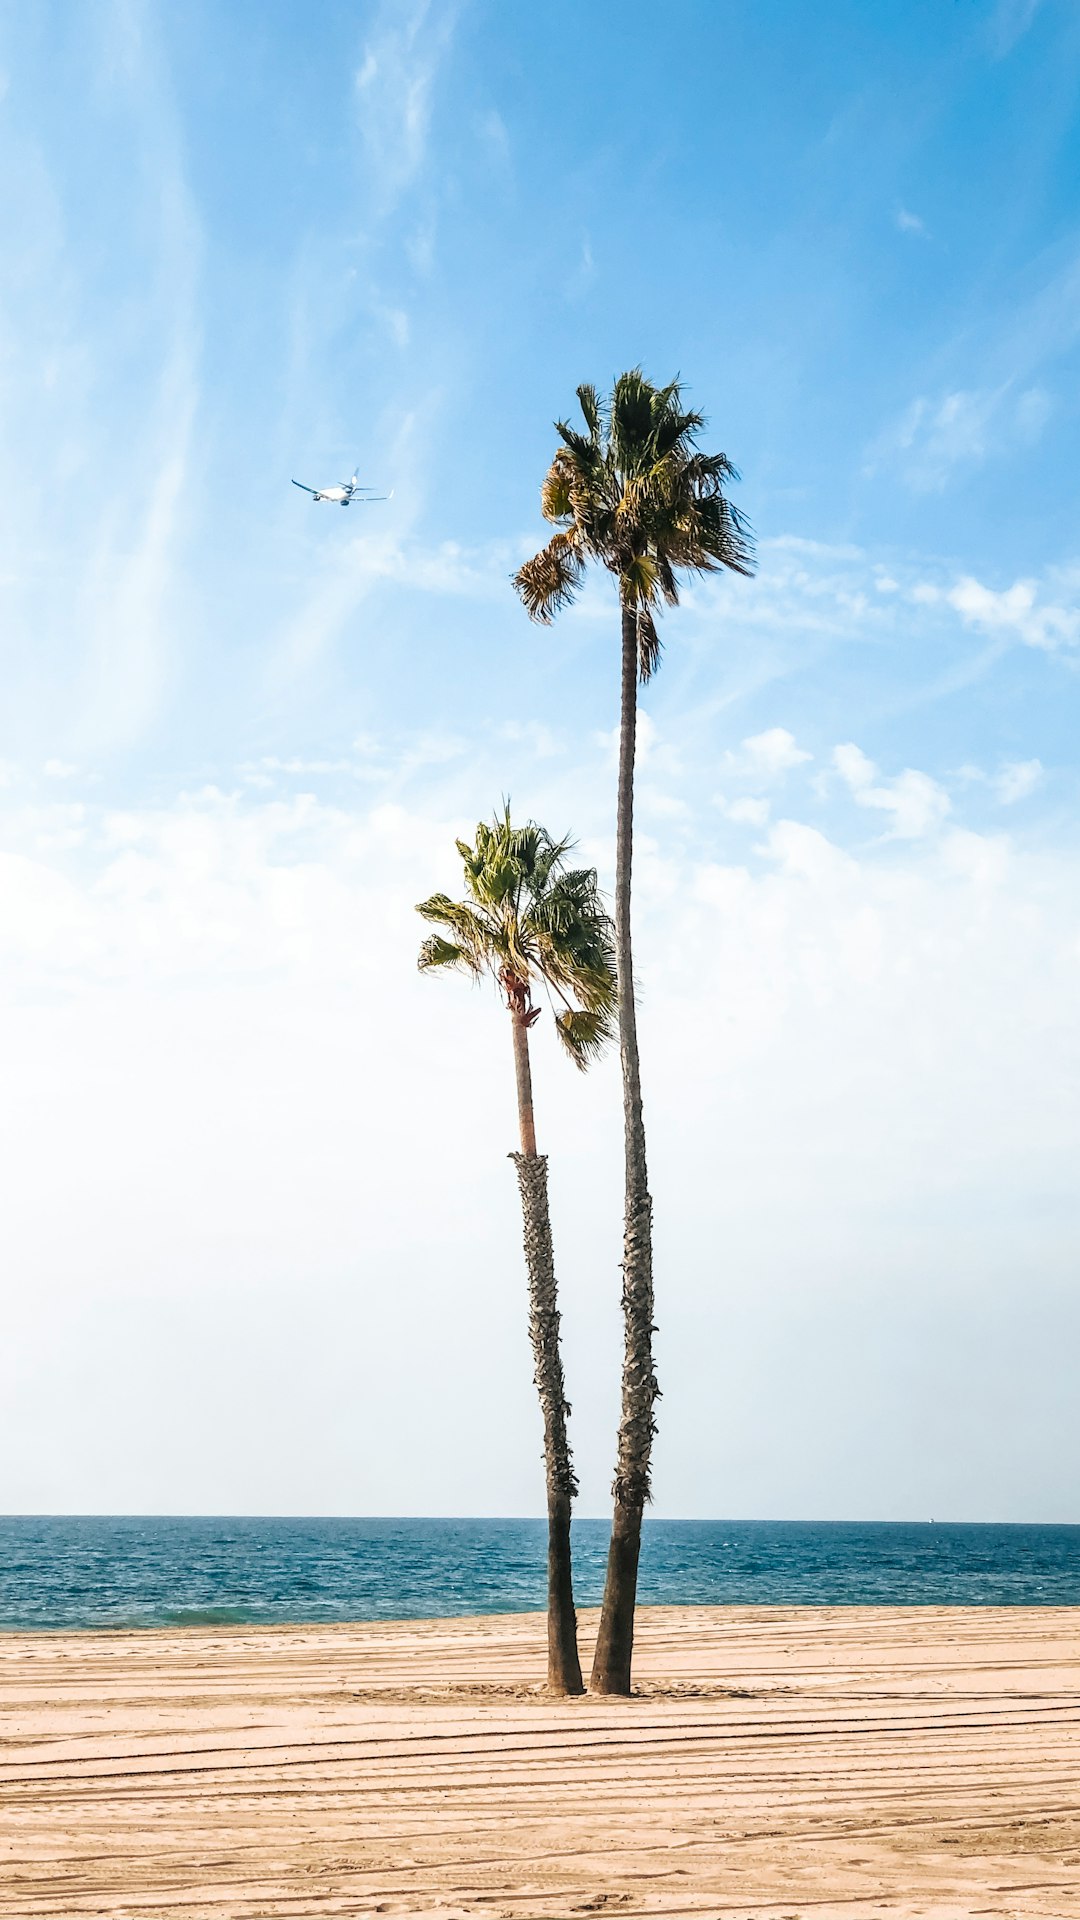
[[296, 764], [1012, 610], [218, 999], [917, 804], [1017, 779], [59, 770], [747, 812], [806, 853], [907, 222], [767, 755]]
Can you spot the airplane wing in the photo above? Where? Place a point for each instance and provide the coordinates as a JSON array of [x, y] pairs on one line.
[[303, 489], [373, 498]]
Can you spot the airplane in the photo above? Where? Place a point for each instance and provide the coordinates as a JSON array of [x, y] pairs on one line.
[[345, 494]]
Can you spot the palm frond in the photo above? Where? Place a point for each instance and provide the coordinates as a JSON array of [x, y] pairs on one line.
[[588, 401], [665, 574], [557, 492], [530, 917], [584, 1035], [636, 493], [648, 645], [474, 935], [550, 579], [584, 452], [639, 581], [675, 431], [437, 952], [575, 949], [708, 471], [631, 421], [722, 536]]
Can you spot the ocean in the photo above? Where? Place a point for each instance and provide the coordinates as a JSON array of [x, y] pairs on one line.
[[58, 1572]]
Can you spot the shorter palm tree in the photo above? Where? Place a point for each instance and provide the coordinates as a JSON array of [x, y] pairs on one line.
[[529, 918]]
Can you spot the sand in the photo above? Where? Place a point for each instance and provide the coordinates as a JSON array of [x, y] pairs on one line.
[[810, 1762]]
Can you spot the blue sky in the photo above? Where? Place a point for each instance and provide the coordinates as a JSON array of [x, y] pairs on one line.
[[239, 733]]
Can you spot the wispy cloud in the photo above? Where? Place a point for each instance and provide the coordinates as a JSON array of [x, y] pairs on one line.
[[372, 559], [494, 136], [133, 580], [1010, 22], [584, 273], [395, 82], [936, 438], [107, 400], [1017, 780], [907, 222]]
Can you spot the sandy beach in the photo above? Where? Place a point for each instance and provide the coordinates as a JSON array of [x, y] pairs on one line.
[[781, 1762]]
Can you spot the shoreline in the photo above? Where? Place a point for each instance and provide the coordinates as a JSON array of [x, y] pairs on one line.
[[775, 1761], [201, 1622]]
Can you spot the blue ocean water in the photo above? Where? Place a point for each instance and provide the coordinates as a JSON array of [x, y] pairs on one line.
[[85, 1572]]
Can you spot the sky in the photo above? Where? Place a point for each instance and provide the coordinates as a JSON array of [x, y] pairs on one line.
[[260, 1239]]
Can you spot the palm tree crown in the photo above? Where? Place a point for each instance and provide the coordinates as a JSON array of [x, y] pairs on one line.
[[634, 492], [530, 918]]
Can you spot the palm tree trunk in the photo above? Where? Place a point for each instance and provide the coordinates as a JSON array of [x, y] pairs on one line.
[[564, 1666], [615, 1640]]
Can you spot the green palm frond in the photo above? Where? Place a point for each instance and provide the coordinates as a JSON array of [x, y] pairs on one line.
[[530, 918], [636, 493], [473, 936], [632, 420], [575, 949], [583, 451], [584, 1035], [589, 402], [437, 952], [639, 581]]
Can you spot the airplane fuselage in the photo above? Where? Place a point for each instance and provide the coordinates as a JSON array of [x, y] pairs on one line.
[[339, 495]]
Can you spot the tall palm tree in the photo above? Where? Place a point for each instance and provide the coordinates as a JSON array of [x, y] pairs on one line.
[[531, 919], [633, 492]]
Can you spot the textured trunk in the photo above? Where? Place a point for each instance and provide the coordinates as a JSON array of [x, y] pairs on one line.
[[564, 1667], [615, 1640]]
